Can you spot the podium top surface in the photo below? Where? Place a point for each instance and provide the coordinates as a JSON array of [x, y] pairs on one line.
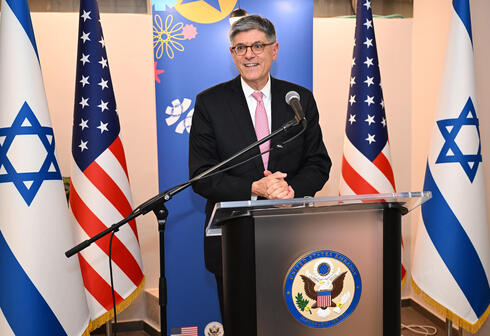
[[406, 201]]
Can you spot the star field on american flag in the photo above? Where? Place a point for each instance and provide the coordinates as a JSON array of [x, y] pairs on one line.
[[96, 124], [366, 120]]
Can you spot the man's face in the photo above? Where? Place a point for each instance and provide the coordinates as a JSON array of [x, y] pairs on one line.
[[254, 69]]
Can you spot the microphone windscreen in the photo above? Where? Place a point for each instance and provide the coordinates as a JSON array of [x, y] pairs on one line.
[[291, 95]]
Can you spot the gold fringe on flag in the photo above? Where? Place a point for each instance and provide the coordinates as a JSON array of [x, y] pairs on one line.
[[119, 308], [446, 313], [404, 279], [87, 330]]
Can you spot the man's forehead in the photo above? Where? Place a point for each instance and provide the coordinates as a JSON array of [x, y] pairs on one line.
[[251, 35]]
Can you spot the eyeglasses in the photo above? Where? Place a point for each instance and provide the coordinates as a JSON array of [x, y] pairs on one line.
[[257, 48]]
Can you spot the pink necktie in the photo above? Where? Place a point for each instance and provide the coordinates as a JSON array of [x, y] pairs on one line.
[[262, 126]]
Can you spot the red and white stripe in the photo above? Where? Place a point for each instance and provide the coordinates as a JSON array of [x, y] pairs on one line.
[[324, 300], [187, 331], [99, 197], [363, 176]]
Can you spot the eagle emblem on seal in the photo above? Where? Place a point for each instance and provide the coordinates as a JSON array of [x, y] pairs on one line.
[[324, 286], [214, 329]]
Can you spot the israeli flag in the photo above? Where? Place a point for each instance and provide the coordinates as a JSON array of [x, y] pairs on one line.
[[41, 291], [451, 256]]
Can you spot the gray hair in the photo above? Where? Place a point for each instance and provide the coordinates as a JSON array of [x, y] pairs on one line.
[[250, 22]]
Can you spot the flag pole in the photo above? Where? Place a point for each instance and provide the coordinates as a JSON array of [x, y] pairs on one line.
[[449, 327], [108, 328]]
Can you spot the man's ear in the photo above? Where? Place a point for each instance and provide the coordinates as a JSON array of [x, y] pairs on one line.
[[275, 50]]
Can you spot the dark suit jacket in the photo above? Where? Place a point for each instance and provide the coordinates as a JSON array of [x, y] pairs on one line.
[[222, 126]]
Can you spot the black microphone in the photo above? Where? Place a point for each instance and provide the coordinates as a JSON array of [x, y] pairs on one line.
[[292, 98]]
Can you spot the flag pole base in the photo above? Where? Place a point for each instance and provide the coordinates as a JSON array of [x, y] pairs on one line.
[[108, 328], [449, 327]]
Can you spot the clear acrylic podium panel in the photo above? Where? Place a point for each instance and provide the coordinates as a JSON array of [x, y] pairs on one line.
[[226, 210]]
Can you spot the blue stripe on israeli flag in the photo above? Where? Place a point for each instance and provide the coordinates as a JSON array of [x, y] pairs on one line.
[[462, 8], [455, 247], [33, 318], [20, 8]]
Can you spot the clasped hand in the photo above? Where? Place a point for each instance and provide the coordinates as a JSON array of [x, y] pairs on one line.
[[272, 186]]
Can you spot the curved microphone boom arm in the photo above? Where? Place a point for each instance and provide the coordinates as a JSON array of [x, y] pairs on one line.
[[164, 196]]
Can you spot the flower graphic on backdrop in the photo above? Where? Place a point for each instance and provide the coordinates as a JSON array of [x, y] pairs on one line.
[[167, 36], [176, 112], [189, 31]]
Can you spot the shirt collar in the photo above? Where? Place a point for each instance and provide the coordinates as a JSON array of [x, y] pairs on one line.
[[266, 90]]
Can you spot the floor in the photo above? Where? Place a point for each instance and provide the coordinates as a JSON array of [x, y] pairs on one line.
[[410, 316]]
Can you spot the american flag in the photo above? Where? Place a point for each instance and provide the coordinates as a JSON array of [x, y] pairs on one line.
[[99, 192], [184, 331], [366, 163]]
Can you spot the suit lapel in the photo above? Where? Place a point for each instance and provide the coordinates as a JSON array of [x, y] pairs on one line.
[[244, 123]]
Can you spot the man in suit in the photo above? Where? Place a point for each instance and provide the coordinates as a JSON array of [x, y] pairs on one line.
[[232, 115]]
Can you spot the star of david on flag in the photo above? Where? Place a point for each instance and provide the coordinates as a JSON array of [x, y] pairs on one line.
[[37, 281], [27, 176], [100, 194], [452, 128], [366, 160], [451, 255]]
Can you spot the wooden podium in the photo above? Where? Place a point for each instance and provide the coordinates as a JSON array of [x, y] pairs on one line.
[[313, 266]]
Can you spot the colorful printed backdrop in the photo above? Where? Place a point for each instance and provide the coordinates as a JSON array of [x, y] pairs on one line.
[[191, 53]]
